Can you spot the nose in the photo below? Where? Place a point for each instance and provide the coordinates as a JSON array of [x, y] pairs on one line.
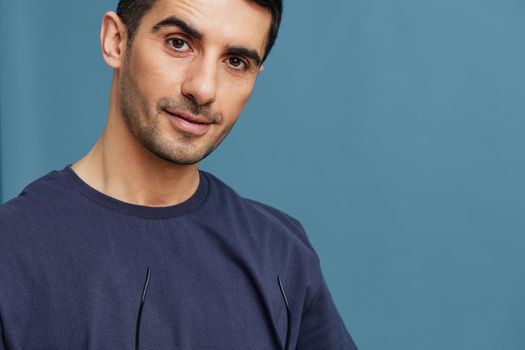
[[200, 83]]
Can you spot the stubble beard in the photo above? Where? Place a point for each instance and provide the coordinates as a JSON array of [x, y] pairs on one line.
[[145, 126]]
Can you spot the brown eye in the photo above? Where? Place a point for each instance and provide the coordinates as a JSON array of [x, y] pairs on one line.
[[237, 63], [178, 44]]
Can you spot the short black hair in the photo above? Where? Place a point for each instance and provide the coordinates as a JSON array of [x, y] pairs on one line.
[[132, 11]]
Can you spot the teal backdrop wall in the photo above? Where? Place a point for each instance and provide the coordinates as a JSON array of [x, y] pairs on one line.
[[394, 130]]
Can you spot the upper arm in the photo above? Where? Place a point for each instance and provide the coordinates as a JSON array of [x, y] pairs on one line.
[[321, 325]]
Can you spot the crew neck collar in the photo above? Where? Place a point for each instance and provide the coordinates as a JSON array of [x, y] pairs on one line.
[[103, 199]]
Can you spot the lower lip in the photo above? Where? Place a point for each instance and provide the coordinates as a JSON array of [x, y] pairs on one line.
[[188, 127]]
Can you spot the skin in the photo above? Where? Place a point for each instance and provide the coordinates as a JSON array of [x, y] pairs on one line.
[[146, 155]]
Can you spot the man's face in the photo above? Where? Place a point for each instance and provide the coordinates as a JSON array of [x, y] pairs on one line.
[[189, 72]]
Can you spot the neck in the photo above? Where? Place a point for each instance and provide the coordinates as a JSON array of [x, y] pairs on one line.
[[120, 167]]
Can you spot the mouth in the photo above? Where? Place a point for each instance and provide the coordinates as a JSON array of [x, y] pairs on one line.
[[188, 124]]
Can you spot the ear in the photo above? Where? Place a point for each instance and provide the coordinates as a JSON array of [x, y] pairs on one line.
[[113, 40], [261, 68]]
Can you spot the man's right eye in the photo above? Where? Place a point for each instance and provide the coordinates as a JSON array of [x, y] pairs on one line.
[[178, 44]]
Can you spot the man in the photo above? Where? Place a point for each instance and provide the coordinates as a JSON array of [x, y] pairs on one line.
[[133, 246]]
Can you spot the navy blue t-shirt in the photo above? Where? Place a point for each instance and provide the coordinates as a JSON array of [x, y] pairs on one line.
[[213, 271]]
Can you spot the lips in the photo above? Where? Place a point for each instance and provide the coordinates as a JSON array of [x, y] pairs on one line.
[[188, 124]]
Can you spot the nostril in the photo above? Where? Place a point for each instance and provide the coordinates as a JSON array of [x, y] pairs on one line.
[[200, 88], [139, 316]]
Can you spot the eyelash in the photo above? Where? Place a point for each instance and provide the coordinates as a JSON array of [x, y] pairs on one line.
[[242, 61], [171, 40]]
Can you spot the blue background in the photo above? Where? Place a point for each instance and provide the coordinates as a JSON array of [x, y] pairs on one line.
[[394, 130]]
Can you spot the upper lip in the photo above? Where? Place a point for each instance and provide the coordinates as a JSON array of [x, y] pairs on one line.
[[190, 117]]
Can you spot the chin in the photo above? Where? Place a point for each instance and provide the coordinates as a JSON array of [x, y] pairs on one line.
[[181, 155]]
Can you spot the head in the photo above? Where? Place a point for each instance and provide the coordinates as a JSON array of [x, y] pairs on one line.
[[186, 68]]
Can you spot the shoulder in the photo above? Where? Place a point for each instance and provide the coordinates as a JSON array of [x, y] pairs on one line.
[[40, 188], [265, 220], [279, 218], [36, 200]]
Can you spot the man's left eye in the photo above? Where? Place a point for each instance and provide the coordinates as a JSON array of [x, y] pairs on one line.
[[237, 63]]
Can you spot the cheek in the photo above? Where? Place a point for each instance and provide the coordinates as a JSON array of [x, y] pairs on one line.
[[234, 97], [158, 77]]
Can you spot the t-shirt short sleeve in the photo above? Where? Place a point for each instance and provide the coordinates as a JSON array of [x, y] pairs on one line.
[[321, 325]]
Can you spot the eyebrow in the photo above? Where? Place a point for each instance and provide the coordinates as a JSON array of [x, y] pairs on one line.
[[173, 21]]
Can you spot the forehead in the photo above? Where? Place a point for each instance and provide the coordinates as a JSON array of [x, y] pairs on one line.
[[231, 22]]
